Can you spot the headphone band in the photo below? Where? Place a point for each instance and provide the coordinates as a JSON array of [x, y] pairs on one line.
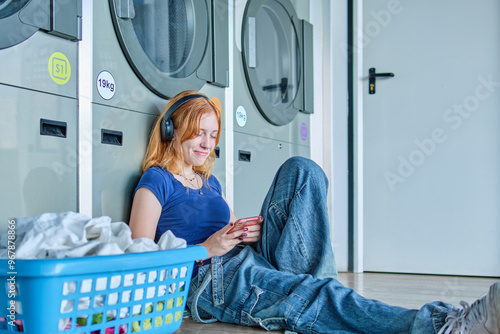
[[180, 102], [167, 127]]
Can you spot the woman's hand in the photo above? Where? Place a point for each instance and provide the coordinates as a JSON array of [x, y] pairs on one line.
[[221, 242], [251, 232]]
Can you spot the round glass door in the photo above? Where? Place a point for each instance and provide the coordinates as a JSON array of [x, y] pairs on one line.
[[164, 41], [271, 57], [13, 30]]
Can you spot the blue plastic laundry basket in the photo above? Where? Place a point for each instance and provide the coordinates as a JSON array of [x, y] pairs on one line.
[[119, 294]]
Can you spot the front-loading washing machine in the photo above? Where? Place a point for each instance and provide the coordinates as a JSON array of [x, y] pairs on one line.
[[145, 52], [38, 92], [273, 95]]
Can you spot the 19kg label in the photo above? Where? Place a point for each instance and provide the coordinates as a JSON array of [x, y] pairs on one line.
[[106, 85]]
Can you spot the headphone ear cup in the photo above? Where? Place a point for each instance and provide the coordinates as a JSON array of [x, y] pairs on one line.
[[167, 130]]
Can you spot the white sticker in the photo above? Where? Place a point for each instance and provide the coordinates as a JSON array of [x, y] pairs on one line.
[[106, 85], [241, 116]]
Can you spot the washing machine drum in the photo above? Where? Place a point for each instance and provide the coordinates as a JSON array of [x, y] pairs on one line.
[[169, 42], [272, 58], [165, 42]]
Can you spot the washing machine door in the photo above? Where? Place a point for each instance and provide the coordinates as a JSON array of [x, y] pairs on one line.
[[171, 44], [20, 19], [274, 58]]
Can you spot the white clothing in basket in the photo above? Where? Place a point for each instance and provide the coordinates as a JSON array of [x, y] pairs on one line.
[[70, 234]]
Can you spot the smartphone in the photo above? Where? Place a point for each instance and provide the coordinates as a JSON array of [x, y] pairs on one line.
[[240, 223]]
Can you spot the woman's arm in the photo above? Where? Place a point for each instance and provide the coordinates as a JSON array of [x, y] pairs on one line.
[[144, 215]]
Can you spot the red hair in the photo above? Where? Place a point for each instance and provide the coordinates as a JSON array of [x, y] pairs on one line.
[[186, 120]]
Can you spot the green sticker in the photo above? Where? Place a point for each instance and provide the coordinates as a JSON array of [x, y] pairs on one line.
[[59, 68]]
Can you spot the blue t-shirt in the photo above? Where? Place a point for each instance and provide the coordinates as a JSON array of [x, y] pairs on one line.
[[187, 213]]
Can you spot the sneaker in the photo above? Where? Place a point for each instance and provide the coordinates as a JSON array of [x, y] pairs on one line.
[[482, 317]]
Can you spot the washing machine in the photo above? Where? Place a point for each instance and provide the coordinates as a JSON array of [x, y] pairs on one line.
[[38, 92], [145, 52], [273, 95]]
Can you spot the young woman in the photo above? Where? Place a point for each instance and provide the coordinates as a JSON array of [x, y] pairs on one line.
[[277, 271]]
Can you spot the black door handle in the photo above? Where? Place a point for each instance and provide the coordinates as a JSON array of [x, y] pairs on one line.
[[283, 86], [371, 79]]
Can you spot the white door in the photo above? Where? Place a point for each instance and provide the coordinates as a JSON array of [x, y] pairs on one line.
[[431, 138]]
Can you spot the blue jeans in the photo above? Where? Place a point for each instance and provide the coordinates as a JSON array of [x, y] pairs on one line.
[[288, 279]]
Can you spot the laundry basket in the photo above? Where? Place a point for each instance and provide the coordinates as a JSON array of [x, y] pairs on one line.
[[119, 294]]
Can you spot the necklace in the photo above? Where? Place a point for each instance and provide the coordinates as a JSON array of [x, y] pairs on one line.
[[190, 181]]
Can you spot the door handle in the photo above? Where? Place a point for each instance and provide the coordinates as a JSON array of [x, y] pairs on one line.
[[283, 86], [371, 79]]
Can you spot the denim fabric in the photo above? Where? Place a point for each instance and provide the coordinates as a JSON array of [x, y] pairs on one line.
[[288, 280], [296, 232]]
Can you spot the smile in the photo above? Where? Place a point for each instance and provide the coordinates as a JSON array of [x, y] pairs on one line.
[[203, 154]]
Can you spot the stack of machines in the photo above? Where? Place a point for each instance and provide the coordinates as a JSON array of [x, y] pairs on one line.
[[143, 53], [273, 95], [38, 94]]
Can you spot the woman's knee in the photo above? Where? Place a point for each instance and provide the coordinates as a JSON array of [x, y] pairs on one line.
[[302, 165]]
